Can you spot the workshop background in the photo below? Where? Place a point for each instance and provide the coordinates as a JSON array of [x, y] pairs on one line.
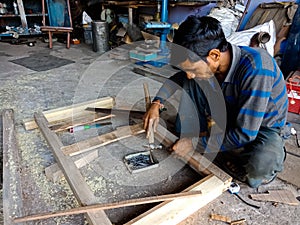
[[60, 56]]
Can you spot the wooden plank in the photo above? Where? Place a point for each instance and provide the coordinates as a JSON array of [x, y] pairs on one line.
[[197, 161], [113, 205], [280, 196], [102, 140], [87, 119], [291, 170], [54, 173], [69, 112], [12, 191], [173, 212], [22, 13], [76, 181]]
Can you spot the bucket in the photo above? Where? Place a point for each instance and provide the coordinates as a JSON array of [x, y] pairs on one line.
[[88, 36], [100, 36]]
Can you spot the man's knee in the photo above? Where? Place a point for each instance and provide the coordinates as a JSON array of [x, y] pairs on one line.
[[262, 168]]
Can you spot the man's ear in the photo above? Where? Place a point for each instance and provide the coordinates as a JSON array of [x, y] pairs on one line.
[[214, 54]]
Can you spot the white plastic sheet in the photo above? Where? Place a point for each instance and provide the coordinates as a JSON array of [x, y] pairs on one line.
[[227, 18], [242, 38]]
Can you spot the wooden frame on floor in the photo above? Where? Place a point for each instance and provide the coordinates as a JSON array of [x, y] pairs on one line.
[[214, 183]]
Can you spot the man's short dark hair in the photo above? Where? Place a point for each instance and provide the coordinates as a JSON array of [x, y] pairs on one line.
[[195, 37]]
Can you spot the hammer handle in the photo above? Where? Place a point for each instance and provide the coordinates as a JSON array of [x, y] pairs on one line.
[[147, 96]]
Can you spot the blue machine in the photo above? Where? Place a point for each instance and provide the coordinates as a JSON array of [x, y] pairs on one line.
[[163, 27]]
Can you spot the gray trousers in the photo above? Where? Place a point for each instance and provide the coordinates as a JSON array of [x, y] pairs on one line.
[[263, 157]]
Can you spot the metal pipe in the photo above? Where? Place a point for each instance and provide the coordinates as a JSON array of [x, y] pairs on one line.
[[164, 11]]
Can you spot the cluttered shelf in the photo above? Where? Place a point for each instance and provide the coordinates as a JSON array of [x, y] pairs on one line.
[[151, 3], [19, 18], [31, 15]]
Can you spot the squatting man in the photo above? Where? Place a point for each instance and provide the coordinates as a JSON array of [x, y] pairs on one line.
[[240, 89]]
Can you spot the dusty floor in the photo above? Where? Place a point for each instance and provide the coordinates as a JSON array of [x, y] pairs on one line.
[[88, 77]]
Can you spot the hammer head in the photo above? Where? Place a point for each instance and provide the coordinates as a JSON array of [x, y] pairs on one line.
[[153, 146]]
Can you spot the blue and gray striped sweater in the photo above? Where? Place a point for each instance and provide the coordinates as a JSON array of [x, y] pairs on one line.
[[255, 96]]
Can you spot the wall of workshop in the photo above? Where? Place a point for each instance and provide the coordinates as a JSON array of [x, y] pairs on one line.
[[178, 14], [252, 5], [291, 56]]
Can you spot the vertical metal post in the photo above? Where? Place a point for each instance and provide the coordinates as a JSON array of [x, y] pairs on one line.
[[164, 33], [164, 11]]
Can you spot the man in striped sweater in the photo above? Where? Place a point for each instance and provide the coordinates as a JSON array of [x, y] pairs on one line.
[[241, 89]]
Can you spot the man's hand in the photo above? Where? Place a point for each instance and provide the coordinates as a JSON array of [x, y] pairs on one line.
[[151, 118], [183, 146]]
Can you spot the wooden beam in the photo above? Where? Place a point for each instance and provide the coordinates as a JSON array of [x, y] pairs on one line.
[[114, 205], [12, 191], [58, 115], [87, 119], [285, 196], [102, 140], [197, 161], [54, 173], [173, 212], [22, 14], [76, 181]]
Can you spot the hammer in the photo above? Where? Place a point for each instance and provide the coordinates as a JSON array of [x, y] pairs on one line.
[[150, 128]]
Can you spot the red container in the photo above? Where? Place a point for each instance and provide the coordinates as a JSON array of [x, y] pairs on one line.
[[293, 88]]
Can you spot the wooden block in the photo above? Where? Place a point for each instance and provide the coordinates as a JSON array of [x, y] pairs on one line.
[[280, 196], [220, 218], [291, 170], [173, 212], [12, 190], [55, 116]]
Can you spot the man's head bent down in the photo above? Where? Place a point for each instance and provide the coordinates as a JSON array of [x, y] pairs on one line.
[[198, 47]]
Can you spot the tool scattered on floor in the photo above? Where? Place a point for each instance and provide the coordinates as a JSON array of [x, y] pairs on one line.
[[86, 127], [153, 146], [150, 128], [21, 41], [294, 132], [234, 189], [75, 41]]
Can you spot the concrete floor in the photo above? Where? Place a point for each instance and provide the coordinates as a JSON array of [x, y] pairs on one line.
[[92, 76]]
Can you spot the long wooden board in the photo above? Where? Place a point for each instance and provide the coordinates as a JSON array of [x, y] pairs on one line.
[[76, 181], [112, 205], [102, 140], [67, 113], [173, 212], [12, 191]]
